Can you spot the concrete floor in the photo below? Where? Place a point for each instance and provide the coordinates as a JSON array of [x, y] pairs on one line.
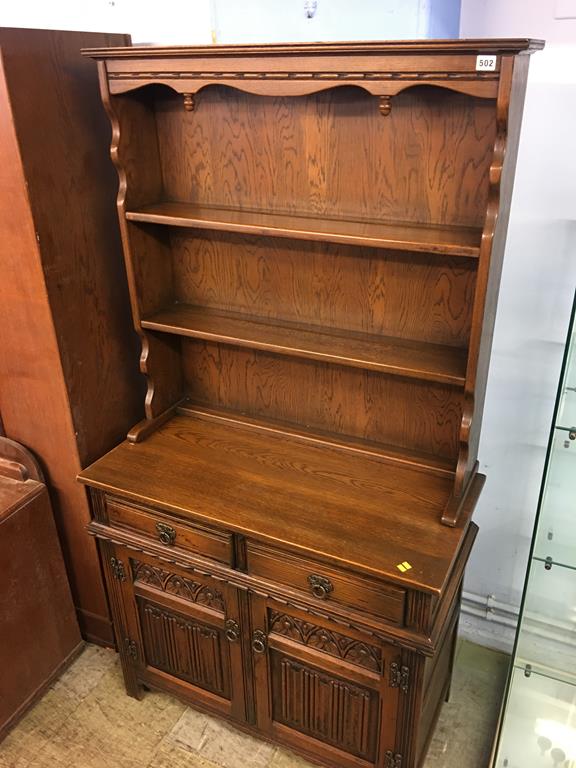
[[86, 721]]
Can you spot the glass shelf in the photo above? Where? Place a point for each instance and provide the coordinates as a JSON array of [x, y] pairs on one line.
[[556, 534], [538, 725]]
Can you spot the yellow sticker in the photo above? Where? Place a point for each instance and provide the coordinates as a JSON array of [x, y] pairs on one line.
[[403, 567]]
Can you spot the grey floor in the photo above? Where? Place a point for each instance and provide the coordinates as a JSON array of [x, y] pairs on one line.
[[86, 721]]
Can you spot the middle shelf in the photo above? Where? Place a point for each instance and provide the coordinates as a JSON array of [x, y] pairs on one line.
[[450, 240], [392, 355]]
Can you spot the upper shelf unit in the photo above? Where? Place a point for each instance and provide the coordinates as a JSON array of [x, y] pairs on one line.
[[314, 234], [448, 240]]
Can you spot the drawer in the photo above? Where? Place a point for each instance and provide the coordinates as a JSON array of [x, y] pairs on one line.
[[207, 542], [327, 583]]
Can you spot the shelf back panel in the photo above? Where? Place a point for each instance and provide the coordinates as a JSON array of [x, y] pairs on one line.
[[330, 154], [334, 286], [329, 398]]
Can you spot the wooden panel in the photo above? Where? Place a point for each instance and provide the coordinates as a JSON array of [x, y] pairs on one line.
[[185, 647], [71, 188], [196, 590], [347, 401], [331, 153], [206, 542], [324, 706], [356, 289], [65, 331], [342, 587], [313, 634], [38, 628]]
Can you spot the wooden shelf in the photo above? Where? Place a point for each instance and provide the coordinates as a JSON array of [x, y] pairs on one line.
[[451, 241], [400, 357]]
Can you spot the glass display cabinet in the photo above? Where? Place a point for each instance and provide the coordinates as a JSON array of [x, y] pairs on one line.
[[538, 726]]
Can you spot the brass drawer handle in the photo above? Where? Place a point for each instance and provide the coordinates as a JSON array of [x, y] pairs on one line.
[[258, 641], [232, 630], [166, 534], [320, 586]]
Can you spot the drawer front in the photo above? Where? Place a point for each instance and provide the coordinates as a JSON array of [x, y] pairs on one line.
[[326, 583], [213, 544]]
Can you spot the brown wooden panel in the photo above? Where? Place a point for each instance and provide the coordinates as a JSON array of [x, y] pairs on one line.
[[185, 647], [324, 706], [342, 587], [206, 542], [356, 289], [321, 636], [66, 342], [299, 155], [38, 628], [71, 187], [344, 401], [149, 577]]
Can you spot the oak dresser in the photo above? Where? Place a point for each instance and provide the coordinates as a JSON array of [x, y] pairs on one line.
[[313, 237]]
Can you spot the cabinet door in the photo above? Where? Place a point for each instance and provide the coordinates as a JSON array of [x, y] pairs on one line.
[[322, 688], [177, 630]]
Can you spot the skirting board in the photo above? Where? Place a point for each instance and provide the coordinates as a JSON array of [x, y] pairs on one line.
[[486, 621]]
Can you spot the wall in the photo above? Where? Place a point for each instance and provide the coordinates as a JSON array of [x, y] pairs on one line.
[[169, 22], [538, 282], [231, 21], [257, 21]]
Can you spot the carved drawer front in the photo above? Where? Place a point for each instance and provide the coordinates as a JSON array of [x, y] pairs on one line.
[[207, 542], [327, 583], [326, 707], [185, 647]]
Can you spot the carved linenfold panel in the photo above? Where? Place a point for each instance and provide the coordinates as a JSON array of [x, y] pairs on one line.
[[184, 648], [177, 585], [325, 707], [328, 641]]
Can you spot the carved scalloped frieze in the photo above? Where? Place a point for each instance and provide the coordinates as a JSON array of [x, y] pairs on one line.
[[174, 584], [328, 641], [331, 76]]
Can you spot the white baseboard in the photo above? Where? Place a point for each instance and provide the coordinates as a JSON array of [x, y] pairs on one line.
[[488, 622]]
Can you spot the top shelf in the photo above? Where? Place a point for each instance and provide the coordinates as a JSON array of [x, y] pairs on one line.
[[447, 240]]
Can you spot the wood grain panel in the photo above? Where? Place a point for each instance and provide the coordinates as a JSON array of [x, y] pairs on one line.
[[356, 289], [323, 706], [345, 401], [185, 647], [427, 162]]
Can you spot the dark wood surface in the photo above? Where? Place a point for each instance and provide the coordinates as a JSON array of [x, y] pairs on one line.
[[39, 633], [402, 357], [69, 381], [452, 241], [299, 496], [313, 239]]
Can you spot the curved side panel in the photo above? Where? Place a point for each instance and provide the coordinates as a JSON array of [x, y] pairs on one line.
[[508, 113], [149, 276]]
